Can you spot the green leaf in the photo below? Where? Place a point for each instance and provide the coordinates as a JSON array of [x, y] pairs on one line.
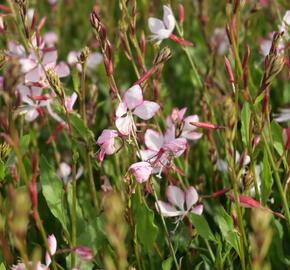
[[79, 127], [144, 219], [245, 129], [201, 226], [259, 98], [266, 184], [225, 223], [167, 264], [2, 266], [24, 144], [277, 137], [53, 192]]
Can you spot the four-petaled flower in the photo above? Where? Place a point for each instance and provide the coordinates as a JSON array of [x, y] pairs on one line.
[[107, 142], [178, 198], [133, 104], [141, 170], [187, 131], [162, 149], [162, 29]]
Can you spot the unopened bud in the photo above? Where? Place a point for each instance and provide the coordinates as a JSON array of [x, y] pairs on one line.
[[95, 20], [84, 55], [163, 56], [181, 13], [85, 253], [229, 70], [54, 82]]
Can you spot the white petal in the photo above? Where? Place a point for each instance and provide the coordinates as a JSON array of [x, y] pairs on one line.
[[187, 120], [121, 109], [31, 115], [133, 97], [72, 57], [148, 155], [153, 140], [176, 196], [222, 165], [94, 59], [155, 25], [191, 197], [197, 210], [33, 75], [168, 19], [124, 125], [169, 134], [64, 170], [62, 70], [191, 135], [49, 57], [166, 209], [146, 110]]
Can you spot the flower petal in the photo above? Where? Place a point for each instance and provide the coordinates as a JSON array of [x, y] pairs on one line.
[[169, 134], [31, 114], [168, 18], [155, 25], [94, 59], [166, 209], [191, 197], [49, 57], [107, 134], [62, 70], [141, 170], [187, 120], [191, 135], [133, 97], [121, 109], [124, 125], [146, 110], [153, 140], [197, 210], [176, 196]]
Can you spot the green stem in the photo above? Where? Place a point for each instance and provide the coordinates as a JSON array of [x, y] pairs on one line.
[[166, 232]]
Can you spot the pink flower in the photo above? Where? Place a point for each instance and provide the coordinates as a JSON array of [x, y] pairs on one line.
[[141, 170], [177, 119], [162, 29], [31, 107], [64, 172], [50, 38], [35, 72], [94, 59], [52, 245], [162, 149], [107, 142], [85, 253], [177, 198], [133, 104], [70, 101]]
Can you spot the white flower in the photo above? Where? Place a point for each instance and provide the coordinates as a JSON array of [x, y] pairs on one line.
[[162, 29]]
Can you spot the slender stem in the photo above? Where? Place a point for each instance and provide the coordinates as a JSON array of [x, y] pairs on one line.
[[74, 212], [166, 232], [210, 250]]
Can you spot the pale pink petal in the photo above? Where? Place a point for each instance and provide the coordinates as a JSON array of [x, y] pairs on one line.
[[169, 134], [107, 134], [191, 197], [176, 145], [146, 110], [33, 75], [124, 125], [27, 64], [31, 114], [52, 244], [72, 57], [121, 109], [197, 210], [176, 196], [265, 47], [36, 91], [191, 135], [62, 70], [49, 57], [155, 25], [191, 118], [47, 260], [70, 101], [109, 147], [166, 209], [153, 139], [50, 38], [168, 19], [94, 59], [16, 49], [133, 97], [141, 170], [148, 155], [64, 170], [181, 113]]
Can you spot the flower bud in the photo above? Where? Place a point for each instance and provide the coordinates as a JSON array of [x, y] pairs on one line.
[[54, 82], [163, 56]]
